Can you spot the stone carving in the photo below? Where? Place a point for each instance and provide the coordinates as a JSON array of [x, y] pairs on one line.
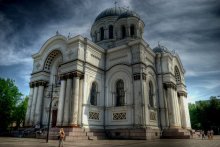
[[94, 115], [119, 116], [153, 115]]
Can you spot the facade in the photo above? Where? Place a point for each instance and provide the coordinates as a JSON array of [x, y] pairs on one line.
[[115, 82]]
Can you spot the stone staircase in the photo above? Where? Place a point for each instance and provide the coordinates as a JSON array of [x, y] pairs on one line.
[[74, 134], [176, 134]]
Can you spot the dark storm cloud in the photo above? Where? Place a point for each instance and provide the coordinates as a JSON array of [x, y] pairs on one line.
[[191, 27]]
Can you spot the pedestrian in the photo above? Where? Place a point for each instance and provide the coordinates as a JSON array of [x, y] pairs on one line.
[[61, 137], [203, 134], [211, 134], [208, 134]]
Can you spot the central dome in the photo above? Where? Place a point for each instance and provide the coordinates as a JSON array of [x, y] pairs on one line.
[[115, 11], [115, 26]]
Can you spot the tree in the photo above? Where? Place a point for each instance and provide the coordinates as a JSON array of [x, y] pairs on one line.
[[9, 96], [204, 114], [20, 111]]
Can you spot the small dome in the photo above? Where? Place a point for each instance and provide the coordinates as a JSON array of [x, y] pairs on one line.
[[115, 11], [161, 49], [129, 13]]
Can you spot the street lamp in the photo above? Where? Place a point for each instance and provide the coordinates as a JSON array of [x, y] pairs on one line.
[[50, 107]]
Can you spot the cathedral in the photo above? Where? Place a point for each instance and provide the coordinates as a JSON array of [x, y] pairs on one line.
[[114, 82]]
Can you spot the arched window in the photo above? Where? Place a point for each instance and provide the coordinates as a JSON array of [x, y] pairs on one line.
[[123, 32], [177, 75], [151, 94], [102, 33], [132, 30], [120, 93], [93, 96], [110, 32]]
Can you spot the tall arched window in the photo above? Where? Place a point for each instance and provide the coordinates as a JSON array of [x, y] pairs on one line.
[[132, 30], [123, 32], [120, 93], [110, 32], [177, 75], [102, 33], [93, 96], [151, 94]]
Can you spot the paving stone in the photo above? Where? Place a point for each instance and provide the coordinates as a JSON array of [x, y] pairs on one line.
[[30, 142]]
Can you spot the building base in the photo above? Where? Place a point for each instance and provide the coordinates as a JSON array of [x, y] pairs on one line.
[[133, 133], [176, 133]]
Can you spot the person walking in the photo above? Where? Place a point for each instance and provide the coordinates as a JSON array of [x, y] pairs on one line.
[[203, 134], [61, 137], [211, 134], [208, 134]]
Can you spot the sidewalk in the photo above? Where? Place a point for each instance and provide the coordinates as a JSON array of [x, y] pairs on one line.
[[30, 142]]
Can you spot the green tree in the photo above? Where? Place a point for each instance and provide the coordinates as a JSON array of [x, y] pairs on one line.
[[9, 96], [20, 111], [204, 114]]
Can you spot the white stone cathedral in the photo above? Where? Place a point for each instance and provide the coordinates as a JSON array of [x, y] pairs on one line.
[[114, 82]]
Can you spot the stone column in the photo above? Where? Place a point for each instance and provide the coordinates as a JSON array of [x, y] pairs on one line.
[[170, 108], [106, 33], [80, 102], [66, 113], [184, 110], [182, 113], [33, 104], [61, 103], [162, 103], [75, 101], [188, 122], [37, 116], [27, 117], [138, 109], [173, 106], [98, 36], [177, 108]]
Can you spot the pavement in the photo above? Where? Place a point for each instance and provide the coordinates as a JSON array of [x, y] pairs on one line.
[[30, 142]]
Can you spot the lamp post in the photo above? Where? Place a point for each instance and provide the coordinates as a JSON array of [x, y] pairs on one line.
[[48, 123], [50, 107]]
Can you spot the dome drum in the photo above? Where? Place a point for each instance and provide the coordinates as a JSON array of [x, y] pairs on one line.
[[115, 24]]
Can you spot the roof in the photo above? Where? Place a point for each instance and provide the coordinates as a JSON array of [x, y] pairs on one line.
[[129, 13], [115, 11], [160, 49]]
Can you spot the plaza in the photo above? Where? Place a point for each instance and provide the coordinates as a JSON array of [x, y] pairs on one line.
[[21, 142]]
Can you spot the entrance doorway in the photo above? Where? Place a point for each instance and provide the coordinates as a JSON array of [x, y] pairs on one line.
[[54, 118]]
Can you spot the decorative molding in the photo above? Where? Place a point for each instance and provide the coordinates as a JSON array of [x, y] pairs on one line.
[[116, 58], [94, 115], [182, 93], [72, 74], [96, 57], [170, 85], [38, 83], [119, 116], [137, 76], [39, 72]]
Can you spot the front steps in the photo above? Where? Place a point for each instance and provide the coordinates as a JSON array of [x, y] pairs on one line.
[[73, 134], [175, 133]]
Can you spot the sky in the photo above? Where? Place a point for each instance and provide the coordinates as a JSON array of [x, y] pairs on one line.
[[190, 27]]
